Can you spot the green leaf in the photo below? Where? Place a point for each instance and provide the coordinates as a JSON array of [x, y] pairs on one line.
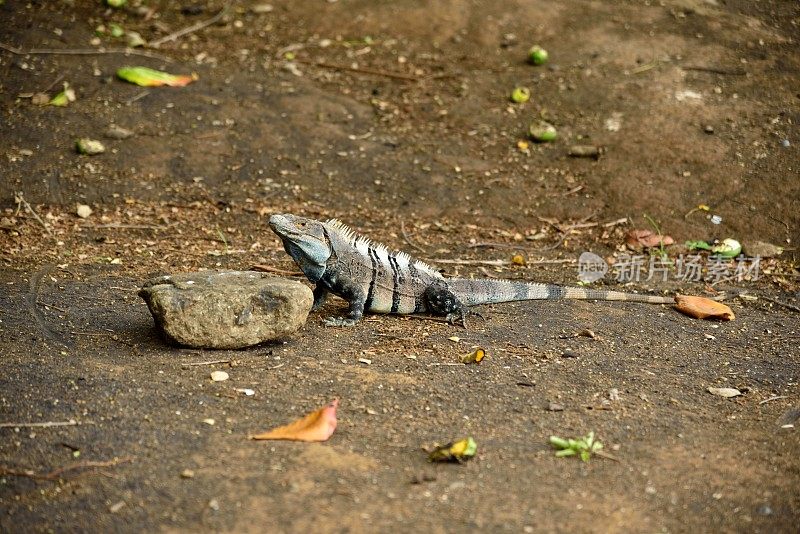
[[147, 77], [64, 97], [695, 245], [561, 443]]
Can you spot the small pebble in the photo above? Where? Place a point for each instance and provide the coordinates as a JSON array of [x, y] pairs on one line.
[[118, 132], [83, 211], [726, 393], [569, 354], [89, 147], [555, 407], [187, 473], [785, 143], [261, 8], [219, 376], [708, 129], [765, 509], [114, 508]]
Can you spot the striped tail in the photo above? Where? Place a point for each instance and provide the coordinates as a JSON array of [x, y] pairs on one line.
[[472, 292]]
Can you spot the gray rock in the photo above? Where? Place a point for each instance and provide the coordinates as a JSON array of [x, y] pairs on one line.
[[761, 249], [226, 309], [118, 132]]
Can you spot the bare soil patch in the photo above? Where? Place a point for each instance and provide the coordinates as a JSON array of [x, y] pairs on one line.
[[395, 118]]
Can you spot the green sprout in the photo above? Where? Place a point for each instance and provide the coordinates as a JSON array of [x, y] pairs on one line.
[[585, 447], [661, 248]]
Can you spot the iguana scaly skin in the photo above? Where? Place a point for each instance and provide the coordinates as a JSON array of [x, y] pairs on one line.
[[373, 278]]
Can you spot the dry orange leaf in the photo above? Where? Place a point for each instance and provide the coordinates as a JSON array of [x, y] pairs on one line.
[[703, 308], [316, 426], [637, 239]]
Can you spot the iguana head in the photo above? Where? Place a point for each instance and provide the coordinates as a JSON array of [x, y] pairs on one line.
[[305, 241]]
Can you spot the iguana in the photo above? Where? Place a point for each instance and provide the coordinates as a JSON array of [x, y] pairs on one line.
[[373, 278]]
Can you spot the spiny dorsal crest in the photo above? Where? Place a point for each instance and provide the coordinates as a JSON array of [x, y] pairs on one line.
[[349, 235]]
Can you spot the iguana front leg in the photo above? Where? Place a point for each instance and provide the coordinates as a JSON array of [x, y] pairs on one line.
[[320, 295], [353, 294]]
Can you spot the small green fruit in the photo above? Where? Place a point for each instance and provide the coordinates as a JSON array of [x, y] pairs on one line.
[[116, 3], [543, 132], [537, 55], [729, 248], [520, 95]]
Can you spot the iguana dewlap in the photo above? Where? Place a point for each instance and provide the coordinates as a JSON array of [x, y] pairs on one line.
[[373, 278]]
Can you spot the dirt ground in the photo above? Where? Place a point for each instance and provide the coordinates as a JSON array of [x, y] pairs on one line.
[[395, 117]]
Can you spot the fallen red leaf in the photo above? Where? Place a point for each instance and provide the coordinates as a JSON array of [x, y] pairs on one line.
[[703, 308], [637, 239], [316, 426]]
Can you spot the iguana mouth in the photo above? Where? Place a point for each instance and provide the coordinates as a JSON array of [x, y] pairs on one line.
[[281, 226]]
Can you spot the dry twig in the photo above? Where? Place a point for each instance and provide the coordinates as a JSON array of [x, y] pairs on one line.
[[408, 239], [774, 398], [127, 226], [190, 29], [56, 473], [82, 52], [213, 362], [53, 306], [46, 424], [20, 200], [137, 96], [496, 263], [714, 70], [782, 304], [269, 269], [428, 318], [362, 70]]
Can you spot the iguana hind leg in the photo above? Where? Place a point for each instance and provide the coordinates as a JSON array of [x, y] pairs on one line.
[[441, 301]]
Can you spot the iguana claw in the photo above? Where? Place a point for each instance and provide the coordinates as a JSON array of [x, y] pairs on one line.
[[458, 317], [338, 321], [461, 316]]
